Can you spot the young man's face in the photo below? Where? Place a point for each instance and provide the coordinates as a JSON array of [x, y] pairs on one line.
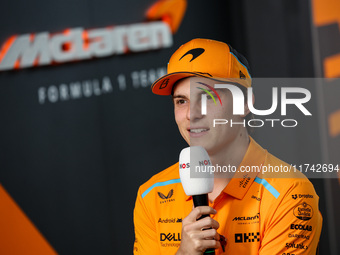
[[198, 129]]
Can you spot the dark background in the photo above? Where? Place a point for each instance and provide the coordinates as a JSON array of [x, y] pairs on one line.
[[74, 166]]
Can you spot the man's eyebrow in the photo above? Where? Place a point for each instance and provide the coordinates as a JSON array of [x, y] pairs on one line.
[[199, 82], [179, 96]]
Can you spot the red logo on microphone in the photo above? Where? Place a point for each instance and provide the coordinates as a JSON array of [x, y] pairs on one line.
[[183, 166], [204, 162]]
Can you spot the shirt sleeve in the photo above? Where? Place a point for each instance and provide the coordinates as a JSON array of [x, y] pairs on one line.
[[145, 231], [293, 223]]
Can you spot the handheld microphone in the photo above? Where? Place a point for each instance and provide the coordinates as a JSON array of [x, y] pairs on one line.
[[196, 159]]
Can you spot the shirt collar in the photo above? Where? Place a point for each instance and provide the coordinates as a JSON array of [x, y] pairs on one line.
[[241, 181]]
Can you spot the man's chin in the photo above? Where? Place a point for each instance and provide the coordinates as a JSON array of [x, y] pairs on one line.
[[196, 142]]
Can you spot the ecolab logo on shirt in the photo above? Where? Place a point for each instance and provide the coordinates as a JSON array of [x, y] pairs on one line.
[[301, 227]]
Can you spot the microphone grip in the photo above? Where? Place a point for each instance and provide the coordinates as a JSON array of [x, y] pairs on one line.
[[202, 200]]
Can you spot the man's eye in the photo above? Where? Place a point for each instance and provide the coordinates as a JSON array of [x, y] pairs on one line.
[[180, 101]]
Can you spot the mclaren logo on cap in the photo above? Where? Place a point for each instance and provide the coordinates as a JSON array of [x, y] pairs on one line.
[[194, 52]]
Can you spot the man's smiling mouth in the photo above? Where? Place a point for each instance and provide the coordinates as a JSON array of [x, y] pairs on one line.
[[198, 130]]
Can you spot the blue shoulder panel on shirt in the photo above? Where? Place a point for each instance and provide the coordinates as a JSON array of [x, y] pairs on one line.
[[158, 184], [269, 187]]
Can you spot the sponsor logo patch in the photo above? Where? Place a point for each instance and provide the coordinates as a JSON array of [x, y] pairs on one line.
[[242, 76], [166, 198], [301, 227], [170, 220], [170, 237], [257, 198], [295, 196], [247, 237], [194, 52], [245, 218], [298, 236], [244, 182], [296, 246], [303, 211]]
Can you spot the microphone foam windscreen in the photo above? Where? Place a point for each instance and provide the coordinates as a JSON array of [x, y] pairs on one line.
[[191, 159]]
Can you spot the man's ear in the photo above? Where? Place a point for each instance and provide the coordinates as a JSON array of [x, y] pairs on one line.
[[246, 108]]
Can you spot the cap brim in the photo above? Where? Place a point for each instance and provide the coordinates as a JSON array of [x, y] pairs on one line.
[[163, 86]]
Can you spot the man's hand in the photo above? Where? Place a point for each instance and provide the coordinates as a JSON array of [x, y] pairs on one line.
[[199, 235]]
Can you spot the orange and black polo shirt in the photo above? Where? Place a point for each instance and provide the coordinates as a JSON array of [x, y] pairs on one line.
[[257, 214]]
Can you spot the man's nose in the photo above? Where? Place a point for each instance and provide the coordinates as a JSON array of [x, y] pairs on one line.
[[194, 111]]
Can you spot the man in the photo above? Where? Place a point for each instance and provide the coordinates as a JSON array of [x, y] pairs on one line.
[[255, 213]]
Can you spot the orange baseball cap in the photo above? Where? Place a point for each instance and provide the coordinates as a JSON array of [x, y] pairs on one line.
[[204, 58]]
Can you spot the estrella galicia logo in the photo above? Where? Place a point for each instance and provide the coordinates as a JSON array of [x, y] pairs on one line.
[[194, 52], [303, 211], [166, 198], [247, 237]]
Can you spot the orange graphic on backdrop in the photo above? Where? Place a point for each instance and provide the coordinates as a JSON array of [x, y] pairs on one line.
[[18, 235], [327, 12], [170, 11]]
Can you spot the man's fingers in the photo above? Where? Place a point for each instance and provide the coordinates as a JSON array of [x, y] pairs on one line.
[[210, 234], [202, 224], [211, 244], [207, 223], [202, 245], [217, 237], [198, 212], [199, 234]]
